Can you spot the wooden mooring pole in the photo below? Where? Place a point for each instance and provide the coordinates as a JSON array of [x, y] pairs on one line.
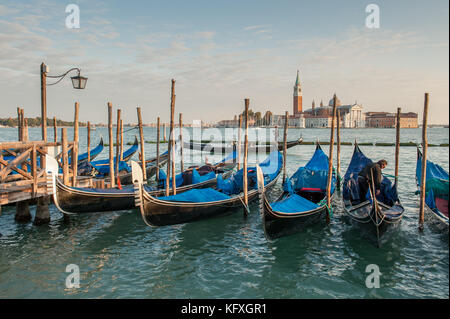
[[397, 145], [75, 146], [24, 127], [119, 111], [330, 159], [23, 214], [157, 148], [65, 158], [44, 101], [181, 143], [338, 149], [19, 124], [424, 163], [172, 136], [164, 131], [245, 180], [141, 136], [111, 145], [169, 158], [121, 140], [239, 142], [286, 122], [89, 141], [55, 130]]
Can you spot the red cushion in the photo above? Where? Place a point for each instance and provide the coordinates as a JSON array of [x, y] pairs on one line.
[[442, 205], [310, 189]]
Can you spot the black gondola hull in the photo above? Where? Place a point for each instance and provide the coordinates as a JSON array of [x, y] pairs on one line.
[[376, 228], [277, 225], [71, 200], [162, 213]]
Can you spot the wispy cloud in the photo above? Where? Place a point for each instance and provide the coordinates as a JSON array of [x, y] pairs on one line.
[[255, 27]]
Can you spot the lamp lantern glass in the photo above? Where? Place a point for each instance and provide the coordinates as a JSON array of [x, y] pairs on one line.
[[79, 82]]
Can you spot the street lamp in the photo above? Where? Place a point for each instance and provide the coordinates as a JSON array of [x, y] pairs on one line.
[[78, 82]]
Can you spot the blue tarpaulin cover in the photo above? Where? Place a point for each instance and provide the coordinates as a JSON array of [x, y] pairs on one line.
[[293, 203], [102, 166], [197, 196], [197, 178], [313, 175], [388, 192], [96, 150], [163, 176], [350, 188], [230, 158], [437, 182], [234, 184]]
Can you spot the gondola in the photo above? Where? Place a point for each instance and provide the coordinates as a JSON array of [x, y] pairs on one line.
[[79, 200], [252, 148], [303, 201], [203, 203], [436, 188], [375, 218], [126, 155], [93, 153], [102, 166], [125, 177]]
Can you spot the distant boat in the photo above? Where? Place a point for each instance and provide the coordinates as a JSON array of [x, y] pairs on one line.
[[252, 148]]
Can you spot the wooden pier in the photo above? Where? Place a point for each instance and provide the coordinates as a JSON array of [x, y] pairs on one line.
[[23, 178]]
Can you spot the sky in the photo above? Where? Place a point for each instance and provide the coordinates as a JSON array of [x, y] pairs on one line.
[[221, 52]]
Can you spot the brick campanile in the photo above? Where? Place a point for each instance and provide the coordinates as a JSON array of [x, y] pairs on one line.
[[297, 96]]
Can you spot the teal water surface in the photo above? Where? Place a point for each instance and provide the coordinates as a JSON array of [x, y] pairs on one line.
[[229, 257]]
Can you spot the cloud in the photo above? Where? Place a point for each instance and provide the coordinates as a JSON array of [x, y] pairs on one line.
[[254, 27]]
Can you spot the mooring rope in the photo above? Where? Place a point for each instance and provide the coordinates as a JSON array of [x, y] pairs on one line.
[[323, 202]]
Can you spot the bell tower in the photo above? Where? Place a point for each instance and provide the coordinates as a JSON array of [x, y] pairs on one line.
[[297, 96]]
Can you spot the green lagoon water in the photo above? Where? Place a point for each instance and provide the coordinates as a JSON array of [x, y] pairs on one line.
[[229, 256]]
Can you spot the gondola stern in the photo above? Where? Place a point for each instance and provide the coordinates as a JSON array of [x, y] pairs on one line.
[[52, 168], [260, 183], [137, 179]]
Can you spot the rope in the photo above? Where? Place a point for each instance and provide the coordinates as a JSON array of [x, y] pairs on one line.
[[135, 127], [323, 202], [389, 175], [245, 206]]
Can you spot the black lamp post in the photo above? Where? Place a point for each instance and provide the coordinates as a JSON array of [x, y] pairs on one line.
[[78, 82]]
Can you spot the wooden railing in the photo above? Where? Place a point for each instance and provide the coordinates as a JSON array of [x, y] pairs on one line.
[[28, 164]]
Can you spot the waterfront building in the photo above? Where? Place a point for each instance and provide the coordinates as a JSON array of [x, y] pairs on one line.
[[389, 120], [351, 115]]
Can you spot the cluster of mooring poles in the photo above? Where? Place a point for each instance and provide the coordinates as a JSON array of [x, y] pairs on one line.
[[24, 187]]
